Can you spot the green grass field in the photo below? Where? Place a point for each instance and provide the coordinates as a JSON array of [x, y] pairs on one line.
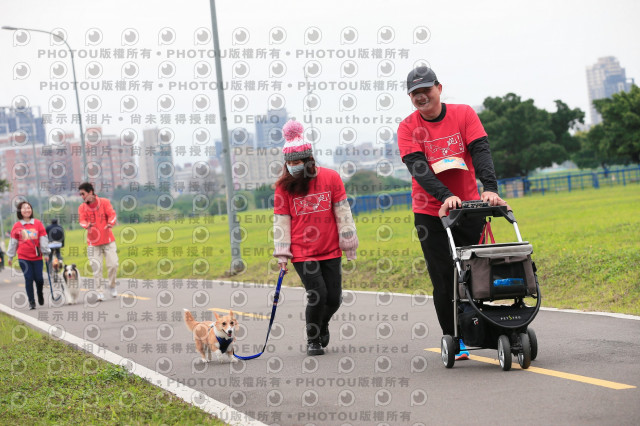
[[586, 247], [43, 381]]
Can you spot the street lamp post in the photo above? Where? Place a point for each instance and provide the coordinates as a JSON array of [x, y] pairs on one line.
[[234, 228], [75, 88]]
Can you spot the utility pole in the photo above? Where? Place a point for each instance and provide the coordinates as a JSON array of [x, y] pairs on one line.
[[237, 264]]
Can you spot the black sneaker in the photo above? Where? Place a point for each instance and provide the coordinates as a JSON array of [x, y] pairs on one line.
[[32, 306], [324, 335], [314, 349], [40, 298]]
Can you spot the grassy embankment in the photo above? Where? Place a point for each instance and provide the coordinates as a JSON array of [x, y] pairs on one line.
[[43, 381]]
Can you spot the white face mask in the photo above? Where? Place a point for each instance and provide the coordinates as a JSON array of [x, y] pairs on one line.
[[294, 170]]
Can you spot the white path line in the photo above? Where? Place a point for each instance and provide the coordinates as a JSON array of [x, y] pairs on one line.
[[191, 396]]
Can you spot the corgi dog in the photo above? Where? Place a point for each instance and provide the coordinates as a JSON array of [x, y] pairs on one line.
[[71, 283], [213, 337]]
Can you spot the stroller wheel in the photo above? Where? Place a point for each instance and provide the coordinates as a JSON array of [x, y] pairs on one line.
[[524, 356], [534, 343], [448, 351], [504, 353]]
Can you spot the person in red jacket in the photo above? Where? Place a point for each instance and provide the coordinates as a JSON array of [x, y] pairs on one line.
[[29, 240], [313, 225], [98, 217]]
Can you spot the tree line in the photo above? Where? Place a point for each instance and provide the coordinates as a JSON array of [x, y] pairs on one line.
[[524, 137]]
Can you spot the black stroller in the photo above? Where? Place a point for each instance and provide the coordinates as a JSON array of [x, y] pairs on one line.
[[486, 273]]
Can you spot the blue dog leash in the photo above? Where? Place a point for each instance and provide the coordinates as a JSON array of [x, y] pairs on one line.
[[276, 296]]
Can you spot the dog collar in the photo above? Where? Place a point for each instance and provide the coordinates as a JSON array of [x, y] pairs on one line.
[[224, 343]]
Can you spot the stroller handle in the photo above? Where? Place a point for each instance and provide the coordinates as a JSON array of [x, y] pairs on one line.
[[475, 209], [456, 215]]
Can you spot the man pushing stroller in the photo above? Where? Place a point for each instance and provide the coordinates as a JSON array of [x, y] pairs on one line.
[[445, 148]]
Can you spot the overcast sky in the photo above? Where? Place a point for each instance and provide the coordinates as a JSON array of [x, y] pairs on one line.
[[537, 50]]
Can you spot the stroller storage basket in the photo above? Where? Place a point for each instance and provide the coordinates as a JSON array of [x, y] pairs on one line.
[[498, 271], [483, 329]]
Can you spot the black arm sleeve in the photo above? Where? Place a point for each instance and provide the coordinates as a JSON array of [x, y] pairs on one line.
[[482, 162], [417, 164]]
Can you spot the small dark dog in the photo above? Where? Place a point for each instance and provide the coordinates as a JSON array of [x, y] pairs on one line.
[[71, 283]]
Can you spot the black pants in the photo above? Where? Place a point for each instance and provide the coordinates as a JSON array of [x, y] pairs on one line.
[[32, 270], [323, 281], [435, 246]]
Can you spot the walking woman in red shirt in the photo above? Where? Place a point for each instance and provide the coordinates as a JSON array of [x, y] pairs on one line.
[[313, 225], [29, 240]]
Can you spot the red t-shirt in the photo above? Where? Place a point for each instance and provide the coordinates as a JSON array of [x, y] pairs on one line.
[[444, 143], [314, 232], [28, 237]]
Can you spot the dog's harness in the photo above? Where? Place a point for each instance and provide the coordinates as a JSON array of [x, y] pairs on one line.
[[224, 343]]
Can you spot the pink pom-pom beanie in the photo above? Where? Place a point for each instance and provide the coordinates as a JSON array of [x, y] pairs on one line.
[[295, 147]]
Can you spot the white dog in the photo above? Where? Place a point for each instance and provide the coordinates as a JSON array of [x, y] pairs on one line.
[[71, 283]]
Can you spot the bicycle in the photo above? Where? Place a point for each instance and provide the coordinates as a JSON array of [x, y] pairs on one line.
[[56, 266]]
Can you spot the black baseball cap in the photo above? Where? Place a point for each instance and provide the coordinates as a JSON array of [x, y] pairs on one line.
[[420, 77]]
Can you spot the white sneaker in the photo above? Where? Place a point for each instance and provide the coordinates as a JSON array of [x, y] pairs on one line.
[[114, 292], [100, 297]]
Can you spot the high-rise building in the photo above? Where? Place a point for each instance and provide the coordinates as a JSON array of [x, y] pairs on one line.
[[155, 163], [269, 128], [22, 137], [219, 148], [605, 78], [22, 123]]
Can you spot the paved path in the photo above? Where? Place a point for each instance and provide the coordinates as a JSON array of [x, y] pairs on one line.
[[383, 363]]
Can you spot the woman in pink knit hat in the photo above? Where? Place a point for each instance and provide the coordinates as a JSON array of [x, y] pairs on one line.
[[313, 226]]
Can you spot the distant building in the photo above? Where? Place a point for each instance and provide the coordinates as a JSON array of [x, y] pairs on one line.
[[253, 167], [23, 124], [219, 148], [604, 79], [109, 163], [383, 158], [269, 128], [155, 163], [60, 165], [196, 178], [18, 166]]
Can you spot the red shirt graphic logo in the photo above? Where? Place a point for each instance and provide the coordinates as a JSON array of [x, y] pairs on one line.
[[440, 148], [312, 203]]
